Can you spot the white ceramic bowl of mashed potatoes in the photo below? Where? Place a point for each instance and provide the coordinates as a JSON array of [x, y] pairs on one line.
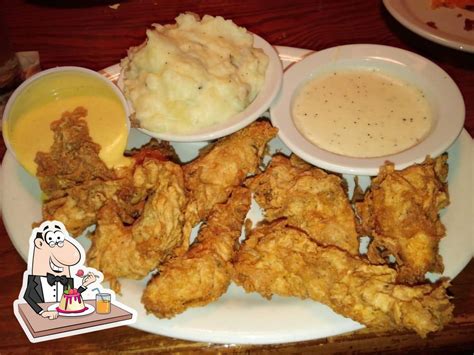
[[44, 97], [349, 109], [199, 79]]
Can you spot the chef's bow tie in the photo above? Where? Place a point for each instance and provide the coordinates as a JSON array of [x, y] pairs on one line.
[[53, 279]]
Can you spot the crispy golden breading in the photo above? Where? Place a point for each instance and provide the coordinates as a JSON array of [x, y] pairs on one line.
[[73, 157], [77, 206], [133, 251], [203, 273], [309, 198], [282, 260], [211, 177], [400, 213]]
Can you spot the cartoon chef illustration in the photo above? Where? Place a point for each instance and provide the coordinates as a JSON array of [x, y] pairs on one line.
[[52, 257]]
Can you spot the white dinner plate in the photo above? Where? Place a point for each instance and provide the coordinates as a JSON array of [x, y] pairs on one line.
[[442, 25], [238, 317], [90, 309]]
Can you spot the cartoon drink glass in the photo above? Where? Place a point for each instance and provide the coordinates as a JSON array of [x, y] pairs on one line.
[[102, 303]]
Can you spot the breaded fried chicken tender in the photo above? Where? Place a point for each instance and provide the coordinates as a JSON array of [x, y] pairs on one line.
[[400, 213], [309, 198], [277, 259], [73, 157], [211, 177], [77, 207], [133, 251], [203, 273]]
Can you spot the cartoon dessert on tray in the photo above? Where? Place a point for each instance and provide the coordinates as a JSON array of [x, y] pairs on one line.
[[71, 302]]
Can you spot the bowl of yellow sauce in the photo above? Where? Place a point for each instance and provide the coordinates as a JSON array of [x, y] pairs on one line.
[[43, 98]]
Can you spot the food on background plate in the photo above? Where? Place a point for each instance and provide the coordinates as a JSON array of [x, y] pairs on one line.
[[277, 259], [71, 302], [204, 272], [361, 113], [133, 251], [211, 177], [400, 213], [309, 198], [463, 4], [192, 74], [44, 99]]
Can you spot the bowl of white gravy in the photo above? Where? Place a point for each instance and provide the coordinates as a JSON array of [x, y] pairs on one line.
[[349, 109]]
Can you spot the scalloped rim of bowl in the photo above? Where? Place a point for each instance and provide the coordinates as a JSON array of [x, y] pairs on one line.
[[270, 89], [46, 72], [441, 91]]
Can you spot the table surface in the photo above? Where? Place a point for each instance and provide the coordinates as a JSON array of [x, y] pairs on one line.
[[91, 34], [40, 327]]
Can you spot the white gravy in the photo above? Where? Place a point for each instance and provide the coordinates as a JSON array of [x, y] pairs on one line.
[[361, 113]]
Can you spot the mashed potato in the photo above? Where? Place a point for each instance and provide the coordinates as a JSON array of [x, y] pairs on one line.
[[193, 74]]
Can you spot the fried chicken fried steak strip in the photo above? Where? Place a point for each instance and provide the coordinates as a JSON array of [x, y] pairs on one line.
[[283, 260], [400, 213], [309, 198], [79, 205], [211, 177], [78, 208], [133, 251], [203, 273], [78, 183]]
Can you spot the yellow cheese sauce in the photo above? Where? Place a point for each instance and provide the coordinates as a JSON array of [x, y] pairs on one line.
[[361, 113], [28, 129]]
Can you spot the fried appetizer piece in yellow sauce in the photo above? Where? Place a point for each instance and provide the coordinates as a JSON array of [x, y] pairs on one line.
[[77, 206], [133, 251], [400, 213], [211, 177], [282, 260], [309, 198], [73, 157], [203, 273]]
